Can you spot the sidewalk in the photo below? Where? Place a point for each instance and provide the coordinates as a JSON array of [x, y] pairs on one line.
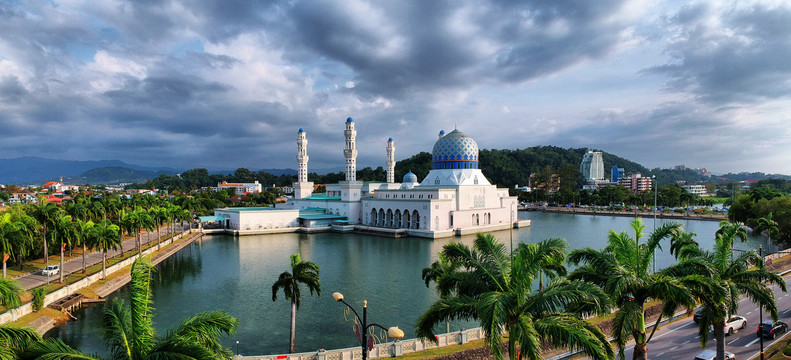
[[36, 279]]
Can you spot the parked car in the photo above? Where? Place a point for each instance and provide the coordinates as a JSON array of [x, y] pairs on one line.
[[770, 330], [696, 317], [50, 270], [711, 355], [734, 323]]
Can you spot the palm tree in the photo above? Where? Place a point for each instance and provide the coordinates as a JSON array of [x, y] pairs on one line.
[[486, 284], [62, 229], [82, 229], [129, 334], [104, 235], [45, 213], [735, 277], [5, 243], [22, 233], [622, 269], [159, 216], [304, 272], [13, 339], [768, 225]]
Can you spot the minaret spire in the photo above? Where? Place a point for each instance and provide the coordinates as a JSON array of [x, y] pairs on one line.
[[390, 163], [302, 188], [350, 152]]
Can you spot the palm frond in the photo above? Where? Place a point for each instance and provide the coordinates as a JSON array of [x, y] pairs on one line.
[[563, 330], [142, 330], [117, 323], [205, 329], [452, 308], [54, 349], [9, 294], [17, 337]]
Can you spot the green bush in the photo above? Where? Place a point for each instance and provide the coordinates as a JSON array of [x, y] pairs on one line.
[[787, 350], [38, 298]]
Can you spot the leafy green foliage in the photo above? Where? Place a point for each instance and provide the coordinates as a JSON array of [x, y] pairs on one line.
[[38, 298], [486, 284]]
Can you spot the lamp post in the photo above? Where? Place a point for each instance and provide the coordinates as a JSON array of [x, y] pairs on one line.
[[761, 308], [653, 177], [393, 332], [237, 347]]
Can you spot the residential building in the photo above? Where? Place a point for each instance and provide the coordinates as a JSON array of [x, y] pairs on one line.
[[239, 188], [636, 182], [592, 166]]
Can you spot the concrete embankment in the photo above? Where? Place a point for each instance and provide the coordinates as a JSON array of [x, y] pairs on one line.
[[634, 214], [170, 247]]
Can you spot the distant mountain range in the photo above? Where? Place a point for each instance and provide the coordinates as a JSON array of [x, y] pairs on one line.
[[30, 170], [37, 170]]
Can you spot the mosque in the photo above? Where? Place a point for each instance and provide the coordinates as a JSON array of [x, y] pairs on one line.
[[455, 198]]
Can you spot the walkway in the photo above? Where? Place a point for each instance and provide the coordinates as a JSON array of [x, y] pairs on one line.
[[36, 279]]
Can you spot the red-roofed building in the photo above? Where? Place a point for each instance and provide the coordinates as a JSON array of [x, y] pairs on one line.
[[53, 199]]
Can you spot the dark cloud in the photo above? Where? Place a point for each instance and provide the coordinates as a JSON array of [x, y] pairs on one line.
[[11, 90], [741, 58]]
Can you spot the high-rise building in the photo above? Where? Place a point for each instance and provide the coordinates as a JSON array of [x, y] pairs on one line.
[[592, 166], [617, 173]]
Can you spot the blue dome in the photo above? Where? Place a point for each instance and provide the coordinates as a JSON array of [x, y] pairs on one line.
[[390, 139], [349, 119], [442, 132], [455, 151], [410, 178], [301, 130]]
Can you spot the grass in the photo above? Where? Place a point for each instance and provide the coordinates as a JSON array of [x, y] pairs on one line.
[[443, 351]]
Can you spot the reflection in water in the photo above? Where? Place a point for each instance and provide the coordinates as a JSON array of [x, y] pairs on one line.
[[235, 275]]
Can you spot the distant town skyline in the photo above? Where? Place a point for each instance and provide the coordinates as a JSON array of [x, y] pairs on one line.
[[227, 84]]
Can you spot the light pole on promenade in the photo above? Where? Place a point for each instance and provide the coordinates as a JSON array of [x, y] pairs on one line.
[[761, 308], [393, 332], [653, 177]]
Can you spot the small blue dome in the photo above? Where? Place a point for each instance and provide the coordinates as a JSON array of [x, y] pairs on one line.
[[410, 178], [349, 119], [442, 132], [301, 130], [390, 139]]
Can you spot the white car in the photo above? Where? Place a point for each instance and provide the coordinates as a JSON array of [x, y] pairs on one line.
[[734, 323], [50, 270], [711, 355]]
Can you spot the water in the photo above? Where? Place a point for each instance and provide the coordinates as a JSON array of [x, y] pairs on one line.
[[235, 275]]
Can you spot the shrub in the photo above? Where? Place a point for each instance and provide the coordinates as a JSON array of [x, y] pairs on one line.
[[38, 298], [787, 350]]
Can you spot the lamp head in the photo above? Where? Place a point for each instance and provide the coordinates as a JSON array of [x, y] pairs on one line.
[[395, 333], [337, 296]]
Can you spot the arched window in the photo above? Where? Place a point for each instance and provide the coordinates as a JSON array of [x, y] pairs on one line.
[[397, 219], [415, 220], [389, 218], [406, 219], [373, 217], [381, 219]]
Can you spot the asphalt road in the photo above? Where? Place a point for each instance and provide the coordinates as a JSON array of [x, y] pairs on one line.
[[679, 339], [36, 279]]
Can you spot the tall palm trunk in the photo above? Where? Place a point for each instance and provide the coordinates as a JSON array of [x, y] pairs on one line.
[[293, 324], [640, 345], [104, 264], [719, 336], [84, 250], [159, 238], [62, 251], [4, 259]]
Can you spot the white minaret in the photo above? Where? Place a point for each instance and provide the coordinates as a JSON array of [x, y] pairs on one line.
[[390, 163], [302, 156], [302, 188], [350, 152]]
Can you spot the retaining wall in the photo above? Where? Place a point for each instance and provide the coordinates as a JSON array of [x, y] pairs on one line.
[[27, 308]]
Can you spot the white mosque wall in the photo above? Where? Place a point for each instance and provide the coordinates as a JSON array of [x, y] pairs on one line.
[[259, 219]]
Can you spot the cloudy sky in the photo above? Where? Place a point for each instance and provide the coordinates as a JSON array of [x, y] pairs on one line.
[[227, 83]]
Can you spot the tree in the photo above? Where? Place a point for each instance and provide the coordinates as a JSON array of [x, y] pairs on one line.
[[82, 229], [104, 235], [159, 216], [623, 270], [129, 334], [304, 272], [45, 213], [13, 339], [63, 230], [763, 224], [487, 285], [734, 277]]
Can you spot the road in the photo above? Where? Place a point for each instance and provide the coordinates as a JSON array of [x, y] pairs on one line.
[[36, 279], [679, 339]]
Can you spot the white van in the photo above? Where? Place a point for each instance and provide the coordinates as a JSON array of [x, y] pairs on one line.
[[712, 354]]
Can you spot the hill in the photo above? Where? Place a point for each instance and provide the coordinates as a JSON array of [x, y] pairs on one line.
[[37, 170], [112, 175]]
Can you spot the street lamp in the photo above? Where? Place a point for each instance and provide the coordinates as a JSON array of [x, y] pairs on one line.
[[761, 308], [393, 332], [237, 347], [653, 177]]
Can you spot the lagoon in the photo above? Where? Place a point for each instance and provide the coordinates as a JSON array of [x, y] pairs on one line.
[[235, 275]]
